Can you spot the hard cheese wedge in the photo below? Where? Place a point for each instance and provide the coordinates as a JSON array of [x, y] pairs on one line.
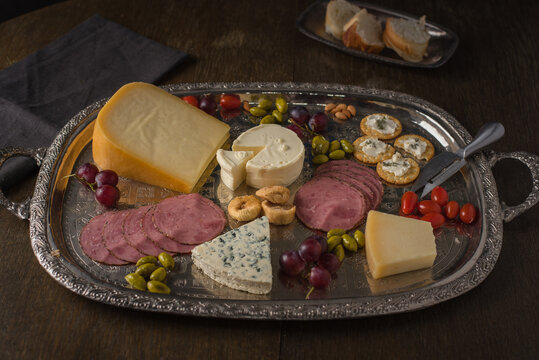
[[239, 259], [396, 244], [145, 133]]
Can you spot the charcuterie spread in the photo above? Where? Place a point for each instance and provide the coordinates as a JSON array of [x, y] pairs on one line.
[[146, 134]]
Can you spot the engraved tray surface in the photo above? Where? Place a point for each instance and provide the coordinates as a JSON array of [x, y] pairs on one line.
[[466, 254], [442, 44]]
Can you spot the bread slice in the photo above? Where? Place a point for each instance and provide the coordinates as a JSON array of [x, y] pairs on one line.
[[239, 259], [408, 38], [338, 12], [364, 32]]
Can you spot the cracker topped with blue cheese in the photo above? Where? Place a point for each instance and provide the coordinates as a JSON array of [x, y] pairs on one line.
[[415, 145], [381, 126], [239, 259]]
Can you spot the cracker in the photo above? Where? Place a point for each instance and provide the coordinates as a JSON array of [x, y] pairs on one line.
[[408, 177], [429, 150], [373, 132], [361, 156]]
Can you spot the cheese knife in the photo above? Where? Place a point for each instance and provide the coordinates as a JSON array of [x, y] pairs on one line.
[[446, 164]]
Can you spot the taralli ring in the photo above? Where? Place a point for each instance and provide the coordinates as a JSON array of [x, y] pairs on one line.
[[244, 208]]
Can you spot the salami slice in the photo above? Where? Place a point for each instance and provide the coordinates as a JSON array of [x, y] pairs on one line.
[[189, 219], [325, 203], [133, 234], [91, 241], [114, 239]]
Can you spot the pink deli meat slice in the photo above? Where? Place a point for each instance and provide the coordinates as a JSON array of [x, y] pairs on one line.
[[346, 164], [189, 219], [357, 175], [114, 239], [91, 241], [356, 184], [161, 239], [133, 234], [325, 204]]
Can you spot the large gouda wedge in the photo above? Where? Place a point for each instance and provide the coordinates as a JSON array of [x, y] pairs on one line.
[[396, 244], [145, 133]]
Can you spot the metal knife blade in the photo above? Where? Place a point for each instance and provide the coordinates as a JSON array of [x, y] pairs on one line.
[[443, 176], [434, 166]]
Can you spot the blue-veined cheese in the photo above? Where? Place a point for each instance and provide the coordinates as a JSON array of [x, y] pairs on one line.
[[239, 259]]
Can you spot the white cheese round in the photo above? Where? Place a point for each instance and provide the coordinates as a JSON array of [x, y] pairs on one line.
[[279, 155]]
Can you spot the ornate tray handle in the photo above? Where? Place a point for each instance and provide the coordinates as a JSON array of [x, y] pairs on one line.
[[532, 162], [21, 210]]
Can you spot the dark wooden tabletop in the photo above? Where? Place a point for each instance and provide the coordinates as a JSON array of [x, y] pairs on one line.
[[492, 76]]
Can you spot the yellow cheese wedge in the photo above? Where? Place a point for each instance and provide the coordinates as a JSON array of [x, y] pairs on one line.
[[396, 244], [146, 134]]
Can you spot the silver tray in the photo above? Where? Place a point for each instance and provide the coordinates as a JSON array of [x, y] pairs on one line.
[[443, 42], [60, 207]]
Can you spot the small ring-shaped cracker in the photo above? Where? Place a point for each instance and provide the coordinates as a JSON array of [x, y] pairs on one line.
[[367, 130], [361, 156], [427, 154], [408, 177]]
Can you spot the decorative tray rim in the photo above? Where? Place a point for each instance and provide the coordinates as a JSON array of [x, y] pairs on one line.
[[316, 309]]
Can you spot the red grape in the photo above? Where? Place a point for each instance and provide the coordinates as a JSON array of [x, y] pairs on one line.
[[291, 263], [318, 122], [107, 195], [319, 277], [106, 177], [310, 250], [87, 172], [297, 130], [330, 262], [208, 104], [299, 114]]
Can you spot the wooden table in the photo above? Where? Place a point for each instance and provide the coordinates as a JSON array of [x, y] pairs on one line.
[[492, 76]]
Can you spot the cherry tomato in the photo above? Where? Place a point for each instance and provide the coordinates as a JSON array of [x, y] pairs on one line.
[[467, 213], [435, 219], [429, 206], [230, 102], [191, 100], [451, 210], [439, 195], [409, 202]]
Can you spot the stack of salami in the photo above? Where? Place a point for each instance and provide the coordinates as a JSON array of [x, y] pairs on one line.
[[340, 195]]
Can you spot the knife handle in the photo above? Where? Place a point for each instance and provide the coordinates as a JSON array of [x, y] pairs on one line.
[[489, 133]]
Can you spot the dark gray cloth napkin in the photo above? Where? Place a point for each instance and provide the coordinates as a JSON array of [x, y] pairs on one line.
[[40, 93]]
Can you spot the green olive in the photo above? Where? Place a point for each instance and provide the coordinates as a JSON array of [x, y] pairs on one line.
[[277, 115], [336, 155], [146, 260], [347, 147], [281, 105], [349, 243], [166, 260], [360, 238], [320, 159], [145, 270], [136, 281], [257, 111], [158, 287], [339, 252], [318, 144], [334, 241], [264, 103], [268, 119], [335, 145], [334, 232], [158, 274]]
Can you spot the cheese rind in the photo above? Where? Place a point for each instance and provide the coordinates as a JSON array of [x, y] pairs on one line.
[[279, 155], [239, 259], [396, 244], [233, 166], [147, 134]]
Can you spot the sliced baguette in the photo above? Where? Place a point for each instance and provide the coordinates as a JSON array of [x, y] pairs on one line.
[[338, 12], [408, 38], [364, 32]]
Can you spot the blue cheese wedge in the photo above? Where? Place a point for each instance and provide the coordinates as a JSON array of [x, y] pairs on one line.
[[239, 259]]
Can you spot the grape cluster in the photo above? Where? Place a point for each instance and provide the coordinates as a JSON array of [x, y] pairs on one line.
[[102, 183], [302, 121], [312, 261]]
